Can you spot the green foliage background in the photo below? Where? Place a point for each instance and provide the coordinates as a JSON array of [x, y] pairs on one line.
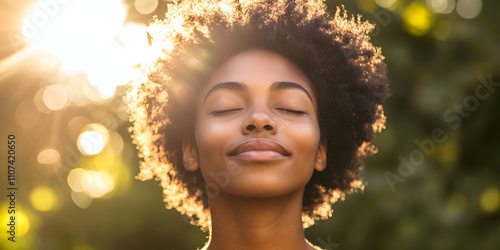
[[449, 199]]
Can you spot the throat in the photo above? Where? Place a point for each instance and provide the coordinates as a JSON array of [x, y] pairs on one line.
[[257, 223]]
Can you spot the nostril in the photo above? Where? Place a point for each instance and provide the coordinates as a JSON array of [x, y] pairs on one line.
[[268, 127], [250, 127]]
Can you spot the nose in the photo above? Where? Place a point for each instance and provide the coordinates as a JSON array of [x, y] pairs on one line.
[[259, 122]]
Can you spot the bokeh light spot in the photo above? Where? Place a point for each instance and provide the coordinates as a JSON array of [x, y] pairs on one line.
[[490, 200], [21, 220], [55, 97], [386, 3], [441, 6], [23, 223], [48, 156], [43, 198], [93, 139], [81, 199], [40, 103], [145, 6], [417, 19], [94, 184], [100, 183], [469, 8], [90, 142], [77, 179]]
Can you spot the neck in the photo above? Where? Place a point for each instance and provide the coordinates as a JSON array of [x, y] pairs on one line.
[[257, 223]]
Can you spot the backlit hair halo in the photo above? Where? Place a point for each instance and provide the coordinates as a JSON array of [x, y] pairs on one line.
[[347, 74]]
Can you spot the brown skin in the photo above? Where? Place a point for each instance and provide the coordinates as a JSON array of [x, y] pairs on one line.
[[257, 144]]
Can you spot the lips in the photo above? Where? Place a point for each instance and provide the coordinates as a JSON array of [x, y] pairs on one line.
[[259, 149]]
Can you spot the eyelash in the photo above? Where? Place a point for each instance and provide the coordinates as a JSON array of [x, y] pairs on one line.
[[219, 112], [297, 112]]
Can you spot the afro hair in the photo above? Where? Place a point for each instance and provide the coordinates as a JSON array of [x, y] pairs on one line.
[[346, 71]]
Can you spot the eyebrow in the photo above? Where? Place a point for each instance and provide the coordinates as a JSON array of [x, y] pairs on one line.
[[227, 85], [276, 86]]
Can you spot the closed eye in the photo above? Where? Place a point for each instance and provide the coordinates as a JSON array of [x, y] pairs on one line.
[[293, 111], [225, 111]]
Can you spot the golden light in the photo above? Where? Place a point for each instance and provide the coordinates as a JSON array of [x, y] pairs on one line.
[[48, 155], [83, 44], [108, 69], [417, 19], [41, 26], [138, 77], [93, 139], [43, 198], [490, 200], [69, 31], [225, 8], [134, 41]]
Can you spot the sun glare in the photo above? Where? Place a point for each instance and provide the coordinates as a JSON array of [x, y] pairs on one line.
[[90, 37]]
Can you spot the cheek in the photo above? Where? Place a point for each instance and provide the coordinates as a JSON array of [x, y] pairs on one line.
[[208, 132], [305, 137], [212, 141]]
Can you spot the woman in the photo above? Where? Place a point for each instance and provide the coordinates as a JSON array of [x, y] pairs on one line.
[[255, 117]]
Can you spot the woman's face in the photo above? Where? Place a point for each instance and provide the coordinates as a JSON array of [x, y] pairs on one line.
[[256, 131]]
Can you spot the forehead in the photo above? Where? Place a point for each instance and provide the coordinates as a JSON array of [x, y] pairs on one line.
[[258, 68]]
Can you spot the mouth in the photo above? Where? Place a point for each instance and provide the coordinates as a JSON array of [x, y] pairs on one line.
[[259, 149]]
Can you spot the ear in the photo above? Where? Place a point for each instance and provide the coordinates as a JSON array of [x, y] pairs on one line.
[[189, 155], [320, 163]]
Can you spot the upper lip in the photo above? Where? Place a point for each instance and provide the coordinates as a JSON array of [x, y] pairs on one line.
[[259, 144]]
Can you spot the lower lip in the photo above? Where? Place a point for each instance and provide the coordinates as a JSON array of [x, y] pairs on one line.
[[259, 156]]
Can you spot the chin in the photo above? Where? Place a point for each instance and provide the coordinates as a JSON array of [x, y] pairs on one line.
[[264, 187]]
